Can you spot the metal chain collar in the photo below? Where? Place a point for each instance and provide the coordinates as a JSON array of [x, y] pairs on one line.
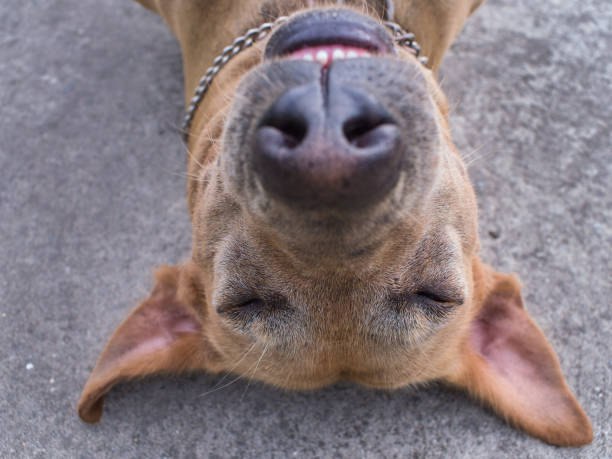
[[402, 38]]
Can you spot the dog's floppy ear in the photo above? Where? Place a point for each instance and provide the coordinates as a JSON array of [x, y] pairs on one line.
[[508, 363], [163, 334]]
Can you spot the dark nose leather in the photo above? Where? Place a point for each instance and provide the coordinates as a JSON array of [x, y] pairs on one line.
[[322, 146]]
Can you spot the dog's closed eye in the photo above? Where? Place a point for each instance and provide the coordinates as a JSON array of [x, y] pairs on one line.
[[245, 312], [434, 304], [250, 305]]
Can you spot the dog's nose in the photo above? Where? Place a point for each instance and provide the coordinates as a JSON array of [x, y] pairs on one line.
[[327, 146]]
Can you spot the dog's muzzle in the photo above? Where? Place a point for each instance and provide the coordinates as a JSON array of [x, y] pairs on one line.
[[325, 143], [328, 120]]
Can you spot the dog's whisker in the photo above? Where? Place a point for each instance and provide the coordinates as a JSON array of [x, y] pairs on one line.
[[188, 176], [255, 369], [234, 380], [455, 106], [193, 157], [221, 387], [198, 179], [230, 370], [476, 155]]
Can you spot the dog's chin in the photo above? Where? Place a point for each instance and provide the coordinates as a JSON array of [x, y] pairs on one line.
[[381, 381]]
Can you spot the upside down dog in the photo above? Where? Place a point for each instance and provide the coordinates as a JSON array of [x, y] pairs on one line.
[[334, 224]]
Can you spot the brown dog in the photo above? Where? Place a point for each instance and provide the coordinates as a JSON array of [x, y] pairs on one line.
[[334, 225]]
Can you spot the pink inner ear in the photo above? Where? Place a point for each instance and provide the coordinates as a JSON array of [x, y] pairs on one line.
[[517, 351], [153, 327], [163, 337], [518, 372], [501, 337]]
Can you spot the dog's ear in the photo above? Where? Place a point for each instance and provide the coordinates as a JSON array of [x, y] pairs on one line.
[[436, 24], [509, 364], [163, 334]]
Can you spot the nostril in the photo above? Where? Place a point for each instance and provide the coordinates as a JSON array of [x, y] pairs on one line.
[[292, 129], [363, 132]]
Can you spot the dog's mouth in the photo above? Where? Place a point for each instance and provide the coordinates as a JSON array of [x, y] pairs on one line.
[[325, 54], [325, 135], [328, 35]]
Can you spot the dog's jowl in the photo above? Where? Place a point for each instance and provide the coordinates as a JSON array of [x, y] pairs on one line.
[[334, 225]]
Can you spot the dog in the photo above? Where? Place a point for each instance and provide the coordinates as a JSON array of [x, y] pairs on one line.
[[335, 228]]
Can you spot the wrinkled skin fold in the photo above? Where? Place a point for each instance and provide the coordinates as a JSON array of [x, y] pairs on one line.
[[291, 285]]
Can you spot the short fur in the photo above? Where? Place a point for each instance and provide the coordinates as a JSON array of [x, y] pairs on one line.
[[337, 295]]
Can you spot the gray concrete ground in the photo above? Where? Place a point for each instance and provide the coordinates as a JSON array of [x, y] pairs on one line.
[[92, 199]]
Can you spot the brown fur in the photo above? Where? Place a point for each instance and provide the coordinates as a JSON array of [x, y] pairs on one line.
[[339, 295]]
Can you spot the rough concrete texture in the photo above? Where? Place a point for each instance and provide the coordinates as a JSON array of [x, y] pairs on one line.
[[92, 199]]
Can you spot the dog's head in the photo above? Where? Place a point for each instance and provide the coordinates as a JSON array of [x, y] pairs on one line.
[[335, 237]]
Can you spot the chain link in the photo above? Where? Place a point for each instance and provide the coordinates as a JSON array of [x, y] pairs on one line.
[[240, 43], [402, 38], [406, 39]]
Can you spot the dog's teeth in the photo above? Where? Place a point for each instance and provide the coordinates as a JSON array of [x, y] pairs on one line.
[[338, 54], [326, 54], [322, 57]]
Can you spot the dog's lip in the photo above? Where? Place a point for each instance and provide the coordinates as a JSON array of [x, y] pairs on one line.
[[329, 27]]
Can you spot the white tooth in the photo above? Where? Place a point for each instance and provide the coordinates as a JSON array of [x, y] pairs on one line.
[[322, 56], [307, 57], [338, 54], [365, 54], [351, 54]]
